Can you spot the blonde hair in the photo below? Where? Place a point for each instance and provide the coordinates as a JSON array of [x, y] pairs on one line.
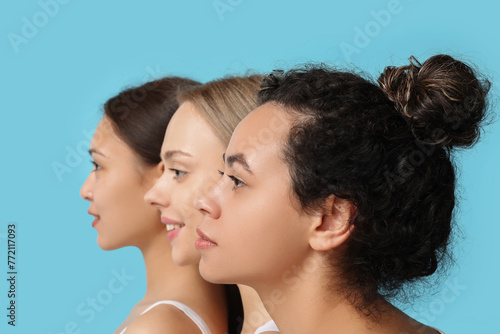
[[224, 102]]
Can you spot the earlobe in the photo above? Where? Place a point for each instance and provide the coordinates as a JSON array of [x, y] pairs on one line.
[[334, 227], [159, 169], [151, 175]]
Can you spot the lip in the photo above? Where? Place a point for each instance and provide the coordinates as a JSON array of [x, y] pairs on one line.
[[97, 218], [203, 242], [172, 234], [166, 220], [95, 222]]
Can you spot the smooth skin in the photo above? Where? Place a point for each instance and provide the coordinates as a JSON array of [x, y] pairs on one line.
[[190, 161], [115, 189], [191, 157], [263, 239]]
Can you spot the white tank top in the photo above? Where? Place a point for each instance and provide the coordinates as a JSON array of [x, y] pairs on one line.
[[267, 327], [271, 327], [202, 325]]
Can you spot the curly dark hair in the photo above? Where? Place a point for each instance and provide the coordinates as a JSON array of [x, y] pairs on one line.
[[386, 148]]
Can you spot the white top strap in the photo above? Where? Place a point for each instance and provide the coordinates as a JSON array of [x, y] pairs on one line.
[[202, 325], [267, 327], [271, 327]]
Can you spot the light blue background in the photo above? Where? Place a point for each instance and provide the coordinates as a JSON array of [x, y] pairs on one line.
[[53, 88]]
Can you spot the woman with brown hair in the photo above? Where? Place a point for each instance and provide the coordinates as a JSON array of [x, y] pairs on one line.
[[191, 154], [125, 150]]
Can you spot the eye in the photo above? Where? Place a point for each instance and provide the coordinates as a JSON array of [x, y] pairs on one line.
[[237, 182], [96, 165], [221, 172], [178, 173]]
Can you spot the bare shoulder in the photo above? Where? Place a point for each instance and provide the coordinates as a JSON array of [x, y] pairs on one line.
[[163, 319]]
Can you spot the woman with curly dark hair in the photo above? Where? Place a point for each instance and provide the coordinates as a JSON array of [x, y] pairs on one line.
[[338, 193]]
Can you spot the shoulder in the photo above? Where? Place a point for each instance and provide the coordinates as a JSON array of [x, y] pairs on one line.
[[163, 319]]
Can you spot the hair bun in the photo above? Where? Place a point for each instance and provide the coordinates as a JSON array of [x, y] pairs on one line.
[[442, 99]]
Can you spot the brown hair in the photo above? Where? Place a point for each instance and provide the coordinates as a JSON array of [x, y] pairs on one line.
[[140, 115], [224, 102]]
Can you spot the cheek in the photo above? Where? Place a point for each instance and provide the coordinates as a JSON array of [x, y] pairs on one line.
[[264, 228], [104, 194], [183, 196], [120, 199]]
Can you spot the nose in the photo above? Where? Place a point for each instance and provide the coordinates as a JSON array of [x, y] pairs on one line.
[[208, 202], [158, 194], [87, 189]]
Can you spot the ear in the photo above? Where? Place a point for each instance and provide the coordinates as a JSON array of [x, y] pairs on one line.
[[158, 169], [334, 227]]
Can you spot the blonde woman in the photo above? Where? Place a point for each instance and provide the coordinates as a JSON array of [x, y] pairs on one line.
[[191, 157]]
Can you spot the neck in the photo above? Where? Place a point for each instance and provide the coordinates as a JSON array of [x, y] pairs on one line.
[[301, 302], [167, 281], [160, 269], [255, 314], [164, 279]]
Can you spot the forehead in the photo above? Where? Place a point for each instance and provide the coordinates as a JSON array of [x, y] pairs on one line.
[[117, 152], [188, 131], [263, 131], [105, 134]]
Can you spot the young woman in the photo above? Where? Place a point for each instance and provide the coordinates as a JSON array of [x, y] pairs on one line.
[[195, 139], [125, 150], [350, 200]]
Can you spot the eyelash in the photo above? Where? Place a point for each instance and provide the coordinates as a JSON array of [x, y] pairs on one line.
[[96, 165], [237, 182], [177, 172]]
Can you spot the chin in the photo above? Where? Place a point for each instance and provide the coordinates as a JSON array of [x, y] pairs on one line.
[[182, 258], [213, 276], [106, 245]]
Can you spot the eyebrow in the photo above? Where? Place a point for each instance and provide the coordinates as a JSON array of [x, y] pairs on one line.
[[169, 154], [95, 151], [239, 158]]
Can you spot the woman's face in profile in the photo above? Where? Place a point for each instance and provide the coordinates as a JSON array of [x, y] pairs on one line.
[[192, 155], [115, 189], [254, 231]]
